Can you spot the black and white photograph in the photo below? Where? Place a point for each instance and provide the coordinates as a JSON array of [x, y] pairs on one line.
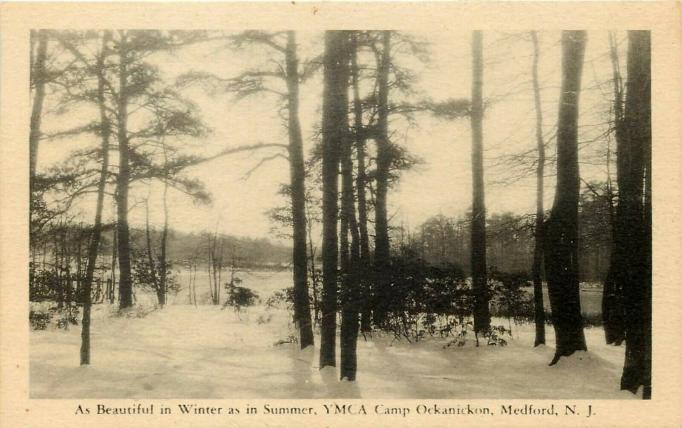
[[333, 213]]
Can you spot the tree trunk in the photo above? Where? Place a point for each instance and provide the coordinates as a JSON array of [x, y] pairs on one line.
[[163, 286], [314, 277], [648, 255], [217, 268], [114, 260], [350, 319], [647, 308], [344, 243], [93, 248], [538, 258], [350, 258], [297, 172], [38, 79], [194, 285], [79, 257], [561, 229], [334, 129], [58, 262], [209, 267], [350, 266], [365, 258], [381, 244], [633, 271], [478, 246], [123, 181], [613, 311], [150, 251]]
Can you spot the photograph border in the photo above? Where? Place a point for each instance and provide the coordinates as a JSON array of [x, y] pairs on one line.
[[662, 18]]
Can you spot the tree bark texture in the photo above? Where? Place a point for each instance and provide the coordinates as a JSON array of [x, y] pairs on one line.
[[350, 264], [478, 245], [297, 173], [334, 130], [360, 184], [561, 239], [633, 270], [125, 284], [383, 160]]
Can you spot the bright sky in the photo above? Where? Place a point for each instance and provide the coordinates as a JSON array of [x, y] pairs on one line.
[[442, 185]]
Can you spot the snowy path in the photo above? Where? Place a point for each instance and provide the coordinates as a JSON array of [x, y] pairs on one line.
[[187, 352]]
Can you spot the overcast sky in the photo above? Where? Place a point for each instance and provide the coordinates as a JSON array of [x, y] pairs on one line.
[[441, 185]]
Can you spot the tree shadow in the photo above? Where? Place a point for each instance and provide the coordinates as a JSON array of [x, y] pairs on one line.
[[336, 388]]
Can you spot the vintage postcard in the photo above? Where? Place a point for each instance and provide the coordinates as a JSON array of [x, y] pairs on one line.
[[340, 214]]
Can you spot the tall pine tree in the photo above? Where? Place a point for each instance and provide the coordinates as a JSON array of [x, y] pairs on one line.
[[334, 134]]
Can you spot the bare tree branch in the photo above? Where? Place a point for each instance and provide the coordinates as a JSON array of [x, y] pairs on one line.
[[263, 161]]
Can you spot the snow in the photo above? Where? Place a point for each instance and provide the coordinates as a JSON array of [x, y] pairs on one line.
[[183, 351]]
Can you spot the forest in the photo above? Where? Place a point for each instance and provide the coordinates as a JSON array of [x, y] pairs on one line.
[[384, 214]]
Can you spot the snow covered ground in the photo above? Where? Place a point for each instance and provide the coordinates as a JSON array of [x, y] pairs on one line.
[[185, 351]]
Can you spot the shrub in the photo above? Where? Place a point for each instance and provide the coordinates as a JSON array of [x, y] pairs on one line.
[[40, 318], [282, 299], [48, 285], [420, 299], [239, 297], [509, 300], [145, 277]]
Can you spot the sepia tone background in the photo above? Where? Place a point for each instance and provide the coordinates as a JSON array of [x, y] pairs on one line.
[[18, 410]]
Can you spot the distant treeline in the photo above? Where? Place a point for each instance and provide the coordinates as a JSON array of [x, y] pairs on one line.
[[183, 247], [443, 240], [247, 252]]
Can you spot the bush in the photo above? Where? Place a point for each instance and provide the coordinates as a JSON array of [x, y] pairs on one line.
[[40, 318], [508, 299], [416, 287], [281, 299], [42, 285], [150, 279], [239, 297], [419, 299], [47, 285]]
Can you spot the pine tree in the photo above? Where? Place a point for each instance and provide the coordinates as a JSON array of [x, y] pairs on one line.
[[95, 238], [334, 134], [478, 246], [350, 258], [125, 285], [382, 260], [361, 185], [297, 170], [284, 68]]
